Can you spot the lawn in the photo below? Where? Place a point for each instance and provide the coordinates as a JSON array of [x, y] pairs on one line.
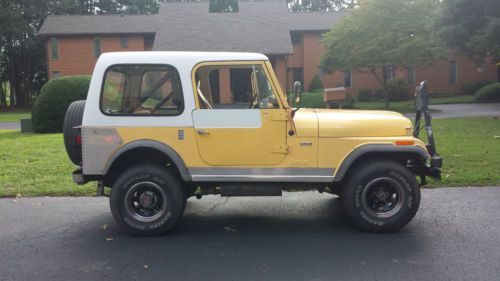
[[409, 107], [13, 116], [315, 100], [36, 164]]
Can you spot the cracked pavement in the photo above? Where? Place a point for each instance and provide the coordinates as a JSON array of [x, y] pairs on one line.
[[300, 236]]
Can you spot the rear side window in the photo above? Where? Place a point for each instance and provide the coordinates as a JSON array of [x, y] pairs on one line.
[[142, 90]]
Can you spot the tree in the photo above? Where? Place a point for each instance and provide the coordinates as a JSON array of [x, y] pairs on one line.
[[381, 35], [223, 6], [22, 54], [472, 27], [320, 5]]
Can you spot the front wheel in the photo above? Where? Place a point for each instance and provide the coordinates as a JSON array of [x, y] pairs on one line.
[[381, 196], [147, 199]]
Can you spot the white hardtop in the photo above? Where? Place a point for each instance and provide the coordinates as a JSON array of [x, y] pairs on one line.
[[184, 62], [176, 58]]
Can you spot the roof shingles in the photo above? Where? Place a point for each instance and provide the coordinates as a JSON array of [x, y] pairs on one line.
[[262, 27]]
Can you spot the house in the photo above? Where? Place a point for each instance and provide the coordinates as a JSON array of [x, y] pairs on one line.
[[290, 40]]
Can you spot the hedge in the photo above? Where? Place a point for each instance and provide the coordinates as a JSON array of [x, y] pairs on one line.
[[490, 92], [55, 97], [397, 89], [471, 88], [365, 95], [316, 84]]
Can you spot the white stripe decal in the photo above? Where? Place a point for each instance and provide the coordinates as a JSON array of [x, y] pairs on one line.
[[227, 118]]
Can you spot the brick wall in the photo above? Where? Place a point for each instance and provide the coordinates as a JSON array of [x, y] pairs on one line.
[[226, 96], [76, 54], [280, 70], [437, 75]]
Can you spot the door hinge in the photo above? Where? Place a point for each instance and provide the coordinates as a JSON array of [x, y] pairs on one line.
[[281, 149], [280, 117]]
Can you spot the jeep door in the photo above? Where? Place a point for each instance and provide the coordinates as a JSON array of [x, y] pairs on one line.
[[240, 119]]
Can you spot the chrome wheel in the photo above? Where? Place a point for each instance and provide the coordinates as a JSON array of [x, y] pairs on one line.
[[146, 201], [383, 197]]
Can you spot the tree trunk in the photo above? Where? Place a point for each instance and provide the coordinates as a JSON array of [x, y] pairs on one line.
[[382, 83], [3, 99]]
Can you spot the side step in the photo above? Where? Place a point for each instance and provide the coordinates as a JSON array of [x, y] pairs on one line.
[[246, 189]]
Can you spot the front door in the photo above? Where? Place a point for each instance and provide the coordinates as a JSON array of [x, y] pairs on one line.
[[243, 129]]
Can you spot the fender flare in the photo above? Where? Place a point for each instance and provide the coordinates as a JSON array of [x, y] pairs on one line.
[[378, 148], [165, 149]]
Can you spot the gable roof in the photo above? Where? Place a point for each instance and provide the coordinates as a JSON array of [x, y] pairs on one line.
[[98, 24], [257, 27], [262, 27]]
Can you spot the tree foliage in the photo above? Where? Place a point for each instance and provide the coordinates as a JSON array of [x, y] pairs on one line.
[[22, 54], [320, 5], [223, 6], [383, 33], [473, 27]]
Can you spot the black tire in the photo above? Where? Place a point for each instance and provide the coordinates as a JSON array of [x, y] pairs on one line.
[[381, 196], [72, 119], [143, 216]]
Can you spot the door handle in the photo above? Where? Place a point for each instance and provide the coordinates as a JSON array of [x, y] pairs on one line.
[[202, 132]]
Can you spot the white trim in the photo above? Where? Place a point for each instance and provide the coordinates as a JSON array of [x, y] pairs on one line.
[[227, 118]]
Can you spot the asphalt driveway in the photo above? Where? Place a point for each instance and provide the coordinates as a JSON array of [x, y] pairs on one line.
[[466, 110], [300, 236]]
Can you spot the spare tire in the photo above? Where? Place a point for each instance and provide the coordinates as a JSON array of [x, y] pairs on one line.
[[72, 119]]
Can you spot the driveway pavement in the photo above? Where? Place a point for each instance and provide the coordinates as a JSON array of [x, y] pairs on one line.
[[10, 126], [300, 236], [466, 110]]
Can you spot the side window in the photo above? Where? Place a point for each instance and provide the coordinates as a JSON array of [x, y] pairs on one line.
[[142, 90], [234, 87]]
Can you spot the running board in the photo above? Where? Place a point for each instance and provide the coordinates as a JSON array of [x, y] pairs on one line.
[[227, 190]]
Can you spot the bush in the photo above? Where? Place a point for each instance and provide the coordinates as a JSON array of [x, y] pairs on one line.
[[490, 92], [365, 95], [397, 89], [313, 100], [316, 84], [348, 103], [471, 88], [379, 95], [54, 98]]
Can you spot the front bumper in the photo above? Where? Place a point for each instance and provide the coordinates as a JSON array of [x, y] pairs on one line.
[[432, 169]]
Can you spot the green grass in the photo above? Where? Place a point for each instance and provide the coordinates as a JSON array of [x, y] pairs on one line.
[[13, 116], [409, 107], [37, 165], [315, 100], [470, 148]]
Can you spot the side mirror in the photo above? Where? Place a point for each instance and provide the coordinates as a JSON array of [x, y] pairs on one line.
[[297, 96]]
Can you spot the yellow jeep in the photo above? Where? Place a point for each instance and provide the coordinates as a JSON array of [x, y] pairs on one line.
[[160, 127]]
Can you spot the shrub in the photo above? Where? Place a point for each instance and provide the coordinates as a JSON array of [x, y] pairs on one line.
[[490, 92], [316, 84], [379, 94], [365, 95], [348, 103], [54, 98], [472, 87], [397, 89], [313, 100]]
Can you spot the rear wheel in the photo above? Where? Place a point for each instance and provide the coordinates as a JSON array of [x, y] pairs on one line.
[[147, 200], [381, 196]]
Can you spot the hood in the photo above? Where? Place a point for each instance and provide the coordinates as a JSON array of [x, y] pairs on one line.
[[334, 123]]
